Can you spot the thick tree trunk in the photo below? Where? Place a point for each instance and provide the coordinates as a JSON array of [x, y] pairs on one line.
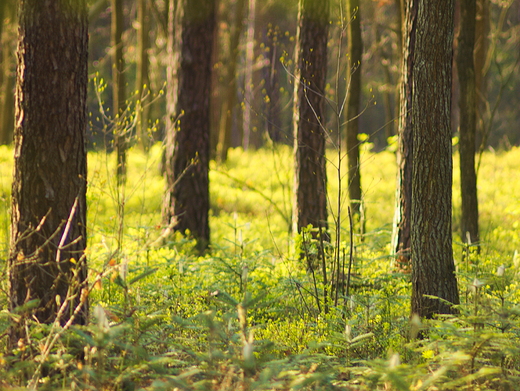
[[355, 45], [309, 123], [186, 204], [119, 87], [401, 239], [468, 116], [48, 223], [143, 77], [433, 269]]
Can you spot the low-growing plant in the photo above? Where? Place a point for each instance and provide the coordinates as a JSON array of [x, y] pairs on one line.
[[245, 315]]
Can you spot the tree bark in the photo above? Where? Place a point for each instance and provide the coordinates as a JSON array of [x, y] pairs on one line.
[[230, 87], [433, 268], [248, 117], [119, 87], [401, 236], [143, 77], [355, 45], [310, 133], [7, 73], [48, 222], [186, 204], [468, 116], [482, 27], [273, 121]]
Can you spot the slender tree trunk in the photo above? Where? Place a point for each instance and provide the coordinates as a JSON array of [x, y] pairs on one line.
[[467, 108], [355, 45], [186, 204], [433, 268], [230, 86], [48, 223], [143, 77], [309, 123], [248, 78], [7, 73], [482, 27], [7, 97], [401, 239], [273, 122], [119, 87], [3, 7]]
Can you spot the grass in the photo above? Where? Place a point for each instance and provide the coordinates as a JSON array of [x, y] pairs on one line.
[[244, 316]]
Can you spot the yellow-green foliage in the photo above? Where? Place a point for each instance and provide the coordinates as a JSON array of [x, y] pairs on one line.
[[246, 312]]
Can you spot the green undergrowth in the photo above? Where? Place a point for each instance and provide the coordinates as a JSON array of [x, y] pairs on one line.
[[247, 315]]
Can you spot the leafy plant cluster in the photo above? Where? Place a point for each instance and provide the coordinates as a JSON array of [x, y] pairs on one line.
[[248, 315]]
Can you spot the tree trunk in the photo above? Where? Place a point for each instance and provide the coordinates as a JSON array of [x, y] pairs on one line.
[[143, 77], [355, 45], [186, 204], [310, 133], [230, 86], [7, 73], [433, 268], [273, 121], [119, 86], [482, 27], [247, 123], [401, 236], [48, 223], [468, 116]]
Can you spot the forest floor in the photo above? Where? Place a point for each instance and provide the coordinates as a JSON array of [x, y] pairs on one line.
[[247, 315]]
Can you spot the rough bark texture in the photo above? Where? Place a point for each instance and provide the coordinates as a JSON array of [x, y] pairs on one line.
[[310, 134], [355, 45], [186, 205], [401, 240], [143, 77], [48, 222], [119, 86], [433, 269], [468, 116]]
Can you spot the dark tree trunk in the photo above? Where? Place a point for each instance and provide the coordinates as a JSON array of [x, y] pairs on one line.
[[401, 241], [273, 121], [468, 116], [355, 45], [186, 205], [433, 268], [143, 77], [119, 87], [310, 134], [48, 223]]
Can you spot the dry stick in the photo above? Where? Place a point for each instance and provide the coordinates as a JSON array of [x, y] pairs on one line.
[[66, 230], [85, 292], [51, 341]]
